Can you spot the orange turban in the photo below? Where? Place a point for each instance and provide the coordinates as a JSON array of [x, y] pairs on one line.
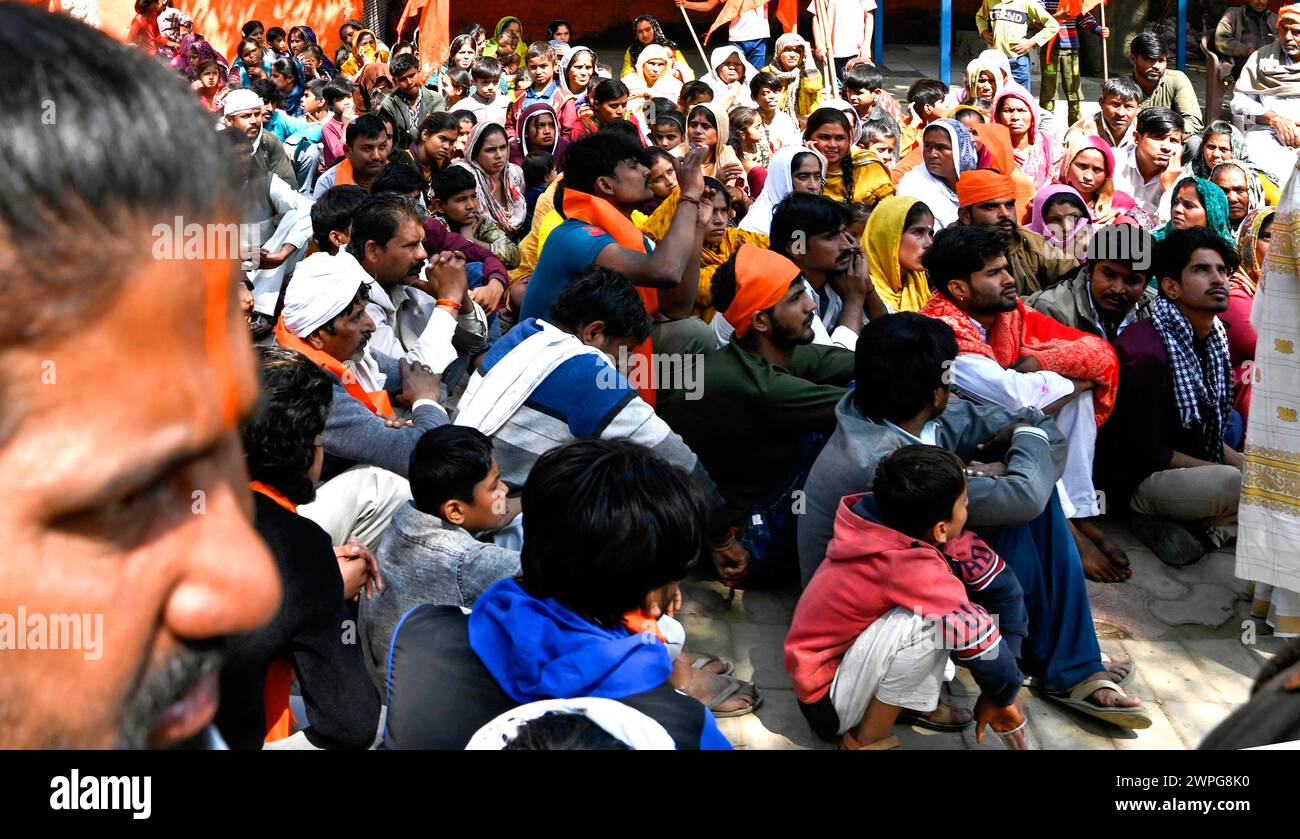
[[975, 186], [1292, 11], [762, 279]]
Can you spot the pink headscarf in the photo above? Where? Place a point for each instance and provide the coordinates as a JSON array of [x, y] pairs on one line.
[[1046, 195], [1107, 197], [1039, 158]]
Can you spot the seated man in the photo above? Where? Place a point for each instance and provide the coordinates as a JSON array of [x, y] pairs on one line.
[[421, 313], [1013, 459], [1267, 100], [764, 405], [548, 381], [431, 553], [988, 198], [1109, 293], [604, 182], [1163, 456], [862, 648], [303, 639], [365, 156], [1244, 29], [367, 449], [1151, 166], [1162, 87], [1017, 358], [1114, 123], [611, 529], [812, 231], [242, 111]]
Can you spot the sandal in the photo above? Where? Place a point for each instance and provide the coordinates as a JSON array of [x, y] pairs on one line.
[[703, 660], [733, 687], [1080, 699], [849, 743], [1128, 677]]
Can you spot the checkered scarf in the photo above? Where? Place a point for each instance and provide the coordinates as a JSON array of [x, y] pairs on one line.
[[1202, 388]]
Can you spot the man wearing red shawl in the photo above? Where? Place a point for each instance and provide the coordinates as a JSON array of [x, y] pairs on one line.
[[1012, 356]]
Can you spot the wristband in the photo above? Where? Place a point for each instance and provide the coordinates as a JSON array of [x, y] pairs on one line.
[[691, 199], [453, 304]]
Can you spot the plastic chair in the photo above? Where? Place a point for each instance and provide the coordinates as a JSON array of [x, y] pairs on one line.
[[1216, 72]]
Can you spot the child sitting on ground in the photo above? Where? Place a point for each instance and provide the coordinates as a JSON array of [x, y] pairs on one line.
[[693, 93], [872, 633], [487, 102], [539, 173], [459, 82], [455, 202], [751, 146], [465, 122], [669, 130], [779, 129], [542, 87], [864, 90]]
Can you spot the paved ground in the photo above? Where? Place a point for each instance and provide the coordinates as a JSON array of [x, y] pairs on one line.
[[1183, 626]]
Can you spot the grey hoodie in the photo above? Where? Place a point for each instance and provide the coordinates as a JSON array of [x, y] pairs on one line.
[[847, 465]]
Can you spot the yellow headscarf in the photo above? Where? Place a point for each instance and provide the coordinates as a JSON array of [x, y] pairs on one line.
[[884, 234]]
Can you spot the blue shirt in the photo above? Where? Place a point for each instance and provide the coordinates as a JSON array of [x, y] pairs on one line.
[[568, 251]]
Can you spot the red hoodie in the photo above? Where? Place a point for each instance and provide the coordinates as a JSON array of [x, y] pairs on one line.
[[870, 569]]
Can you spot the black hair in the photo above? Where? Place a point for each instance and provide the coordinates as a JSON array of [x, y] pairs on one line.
[[367, 127], [1174, 252], [275, 33], [378, 218], [402, 180], [280, 438], [446, 464], [98, 167], [741, 118], [765, 79], [914, 214], [556, 24], [719, 189], [899, 362], [403, 63], [825, 116], [268, 92], [1123, 87], [960, 251], [460, 77], [439, 121], [694, 89], [248, 42], [1148, 45], [398, 47], [473, 29], [485, 67], [333, 211], [804, 214], [317, 88], [916, 487], [859, 211], [452, 180], [650, 155], [609, 521], [1159, 122], [569, 731], [602, 294], [595, 156], [336, 89], [926, 92], [285, 67], [634, 51], [673, 118], [863, 77], [463, 117], [1124, 243], [250, 27], [608, 90], [537, 165], [1066, 198]]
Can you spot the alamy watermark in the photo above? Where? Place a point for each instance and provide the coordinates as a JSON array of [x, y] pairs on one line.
[[23, 630], [178, 240], [668, 371]]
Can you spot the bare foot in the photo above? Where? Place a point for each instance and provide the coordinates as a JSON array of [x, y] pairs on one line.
[[1096, 565], [1107, 697], [1114, 553], [716, 665]]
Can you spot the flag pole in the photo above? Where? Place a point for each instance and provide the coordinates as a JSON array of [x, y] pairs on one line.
[[822, 20], [696, 39], [1105, 43]]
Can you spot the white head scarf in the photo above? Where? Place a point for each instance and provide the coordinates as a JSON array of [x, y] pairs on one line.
[[722, 90], [569, 58], [778, 187], [921, 185], [620, 721], [240, 100], [322, 288]]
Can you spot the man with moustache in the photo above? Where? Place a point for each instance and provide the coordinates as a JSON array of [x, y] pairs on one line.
[[988, 198], [1109, 293], [1162, 87], [1149, 168], [365, 154], [1163, 456], [243, 111], [125, 378], [1267, 98]]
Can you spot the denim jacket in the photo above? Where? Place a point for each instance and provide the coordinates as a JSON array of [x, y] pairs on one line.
[[426, 560]]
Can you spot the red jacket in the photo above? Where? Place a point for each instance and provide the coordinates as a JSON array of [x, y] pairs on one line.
[[870, 569]]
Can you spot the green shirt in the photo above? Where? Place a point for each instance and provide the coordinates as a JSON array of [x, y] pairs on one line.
[[748, 424], [1174, 90]]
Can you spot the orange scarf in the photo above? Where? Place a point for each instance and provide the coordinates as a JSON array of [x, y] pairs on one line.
[[377, 401], [1021, 332], [279, 674], [600, 213], [343, 173]]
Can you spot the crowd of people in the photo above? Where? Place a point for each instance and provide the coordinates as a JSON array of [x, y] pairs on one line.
[[540, 337]]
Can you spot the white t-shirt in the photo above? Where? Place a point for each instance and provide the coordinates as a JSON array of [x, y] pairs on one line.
[[750, 26], [847, 23]]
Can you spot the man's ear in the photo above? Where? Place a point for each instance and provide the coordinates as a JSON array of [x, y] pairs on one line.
[[1171, 288], [958, 289], [453, 510], [371, 251], [760, 322], [339, 239], [963, 215], [604, 185], [314, 341], [593, 334], [938, 534]]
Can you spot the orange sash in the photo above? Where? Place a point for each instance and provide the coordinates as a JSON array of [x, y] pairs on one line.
[[377, 401], [279, 675], [600, 213], [343, 172]]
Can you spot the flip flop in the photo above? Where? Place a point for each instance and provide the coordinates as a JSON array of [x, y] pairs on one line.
[[1078, 699], [703, 660], [1129, 676], [849, 743], [733, 687]]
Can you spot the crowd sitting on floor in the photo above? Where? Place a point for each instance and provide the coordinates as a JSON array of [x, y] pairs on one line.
[[540, 338]]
